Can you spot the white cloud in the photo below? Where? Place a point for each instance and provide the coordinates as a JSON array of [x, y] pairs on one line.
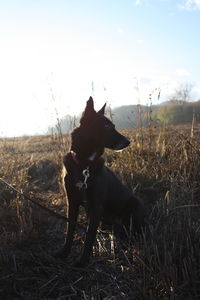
[[140, 41], [181, 72], [196, 92], [138, 2], [120, 30], [190, 5]]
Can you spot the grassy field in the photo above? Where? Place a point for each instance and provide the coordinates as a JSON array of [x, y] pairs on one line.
[[164, 263]]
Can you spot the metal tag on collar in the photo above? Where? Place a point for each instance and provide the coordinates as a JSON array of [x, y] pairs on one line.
[[83, 185], [86, 173]]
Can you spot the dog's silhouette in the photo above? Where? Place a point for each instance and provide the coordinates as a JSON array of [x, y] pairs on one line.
[[88, 180]]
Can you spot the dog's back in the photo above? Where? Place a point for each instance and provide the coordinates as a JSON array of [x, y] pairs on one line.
[[119, 202]]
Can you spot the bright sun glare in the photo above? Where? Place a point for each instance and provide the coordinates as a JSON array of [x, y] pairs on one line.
[[52, 53]]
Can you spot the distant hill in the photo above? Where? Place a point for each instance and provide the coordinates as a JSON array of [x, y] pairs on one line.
[[130, 116], [176, 112]]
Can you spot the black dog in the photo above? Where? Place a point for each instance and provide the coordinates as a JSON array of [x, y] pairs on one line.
[[87, 178]]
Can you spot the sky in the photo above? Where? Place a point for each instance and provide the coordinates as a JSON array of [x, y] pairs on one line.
[[54, 54]]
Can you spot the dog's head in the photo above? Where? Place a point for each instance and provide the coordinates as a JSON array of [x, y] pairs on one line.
[[100, 130]]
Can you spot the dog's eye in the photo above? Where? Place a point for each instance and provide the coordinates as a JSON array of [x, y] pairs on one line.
[[107, 126]]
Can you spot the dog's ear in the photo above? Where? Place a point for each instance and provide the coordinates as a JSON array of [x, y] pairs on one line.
[[102, 110], [90, 104], [89, 111]]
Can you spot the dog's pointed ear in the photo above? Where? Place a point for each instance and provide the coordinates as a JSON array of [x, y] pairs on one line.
[[89, 110], [90, 104], [102, 110]]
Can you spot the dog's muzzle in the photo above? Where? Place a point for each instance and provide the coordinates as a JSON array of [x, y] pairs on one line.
[[122, 145]]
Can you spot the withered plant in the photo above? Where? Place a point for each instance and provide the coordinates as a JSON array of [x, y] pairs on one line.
[[163, 263]]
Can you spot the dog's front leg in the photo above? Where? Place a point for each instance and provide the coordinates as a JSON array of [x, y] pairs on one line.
[[72, 215], [94, 219], [72, 219], [73, 208]]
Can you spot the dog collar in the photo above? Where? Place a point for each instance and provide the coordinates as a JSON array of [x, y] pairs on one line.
[[74, 157], [80, 163], [82, 185]]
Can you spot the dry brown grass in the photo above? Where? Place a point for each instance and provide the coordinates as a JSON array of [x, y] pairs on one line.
[[162, 264]]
